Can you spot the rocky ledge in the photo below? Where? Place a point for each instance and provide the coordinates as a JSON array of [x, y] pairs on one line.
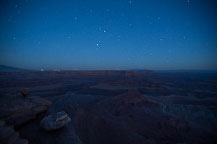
[[17, 111]]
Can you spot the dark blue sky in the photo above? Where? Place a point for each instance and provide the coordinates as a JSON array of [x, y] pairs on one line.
[[109, 34]]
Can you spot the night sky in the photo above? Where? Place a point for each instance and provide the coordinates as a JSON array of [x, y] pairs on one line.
[[109, 34]]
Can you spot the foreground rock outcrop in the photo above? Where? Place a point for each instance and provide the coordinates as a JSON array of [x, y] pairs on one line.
[[18, 111], [55, 121]]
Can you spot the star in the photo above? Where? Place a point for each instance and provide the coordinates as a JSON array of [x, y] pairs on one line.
[[104, 31], [97, 44]]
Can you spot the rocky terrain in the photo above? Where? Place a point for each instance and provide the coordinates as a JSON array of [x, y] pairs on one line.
[[135, 107], [9, 136]]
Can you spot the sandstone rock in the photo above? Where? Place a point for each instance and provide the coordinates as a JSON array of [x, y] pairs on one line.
[[39, 109], [55, 121], [18, 111], [40, 101], [21, 118]]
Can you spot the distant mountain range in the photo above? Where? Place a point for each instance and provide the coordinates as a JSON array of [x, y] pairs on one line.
[[4, 68], [187, 71]]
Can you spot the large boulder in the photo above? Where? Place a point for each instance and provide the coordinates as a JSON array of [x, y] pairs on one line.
[[55, 121]]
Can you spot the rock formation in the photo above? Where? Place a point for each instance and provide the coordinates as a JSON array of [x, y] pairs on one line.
[[55, 121], [17, 111], [9, 136]]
